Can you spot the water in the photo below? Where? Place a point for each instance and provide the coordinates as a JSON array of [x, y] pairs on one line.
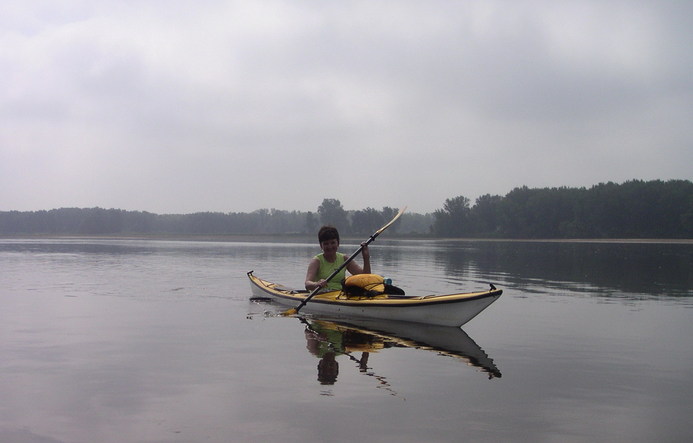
[[157, 341]]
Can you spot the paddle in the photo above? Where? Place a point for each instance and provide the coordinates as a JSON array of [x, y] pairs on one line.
[[295, 310]]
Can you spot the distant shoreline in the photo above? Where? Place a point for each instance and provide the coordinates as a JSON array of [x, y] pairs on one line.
[[304, 238]]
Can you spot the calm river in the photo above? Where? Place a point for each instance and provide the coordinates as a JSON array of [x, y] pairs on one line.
[[157, 341]]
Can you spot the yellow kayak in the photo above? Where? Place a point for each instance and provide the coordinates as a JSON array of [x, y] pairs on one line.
[[441, 310]]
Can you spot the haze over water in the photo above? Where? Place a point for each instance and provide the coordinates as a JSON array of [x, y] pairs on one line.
[[152, 341]]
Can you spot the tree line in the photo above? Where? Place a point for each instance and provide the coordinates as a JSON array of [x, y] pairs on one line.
[[100, 221], [634, 209]]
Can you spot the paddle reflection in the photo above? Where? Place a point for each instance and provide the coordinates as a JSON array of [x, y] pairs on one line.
[[327, 339]]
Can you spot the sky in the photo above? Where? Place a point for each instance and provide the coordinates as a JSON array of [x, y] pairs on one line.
[[173, 106]]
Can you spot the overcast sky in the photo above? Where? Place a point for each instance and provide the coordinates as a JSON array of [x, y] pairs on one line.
[[173, 106]]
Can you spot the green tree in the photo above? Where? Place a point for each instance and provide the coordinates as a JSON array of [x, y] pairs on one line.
[[453, 219], [312, 223], [332, 213], [485, 215], [366, 221]]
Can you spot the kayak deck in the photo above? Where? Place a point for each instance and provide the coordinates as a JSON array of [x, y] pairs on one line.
[[446, 310]]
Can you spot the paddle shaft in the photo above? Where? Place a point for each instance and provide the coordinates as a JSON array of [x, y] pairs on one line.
[[348, 260]]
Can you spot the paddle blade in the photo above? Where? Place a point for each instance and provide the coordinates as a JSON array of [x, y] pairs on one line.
[[292, 311], [399, 214]]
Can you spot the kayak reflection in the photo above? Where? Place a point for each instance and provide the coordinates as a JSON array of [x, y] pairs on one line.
[[330, 338]]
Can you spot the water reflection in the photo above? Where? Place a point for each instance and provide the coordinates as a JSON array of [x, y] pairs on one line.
[[328, 339], [650, 268]]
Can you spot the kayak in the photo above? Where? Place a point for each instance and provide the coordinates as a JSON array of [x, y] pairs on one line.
[[440, 310]]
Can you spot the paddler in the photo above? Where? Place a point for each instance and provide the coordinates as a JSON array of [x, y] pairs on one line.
[[322, 265]]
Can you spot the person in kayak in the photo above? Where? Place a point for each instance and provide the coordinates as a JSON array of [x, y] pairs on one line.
[[322, 265]]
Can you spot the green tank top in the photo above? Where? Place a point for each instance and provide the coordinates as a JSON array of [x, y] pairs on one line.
[[327, 268]]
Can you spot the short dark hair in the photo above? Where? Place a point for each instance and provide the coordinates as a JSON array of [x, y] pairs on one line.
[[328, 233]]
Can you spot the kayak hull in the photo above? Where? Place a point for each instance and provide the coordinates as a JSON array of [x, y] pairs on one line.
[[442, 310]]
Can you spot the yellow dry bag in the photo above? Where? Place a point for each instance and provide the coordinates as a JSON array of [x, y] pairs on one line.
[[368, 285]]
